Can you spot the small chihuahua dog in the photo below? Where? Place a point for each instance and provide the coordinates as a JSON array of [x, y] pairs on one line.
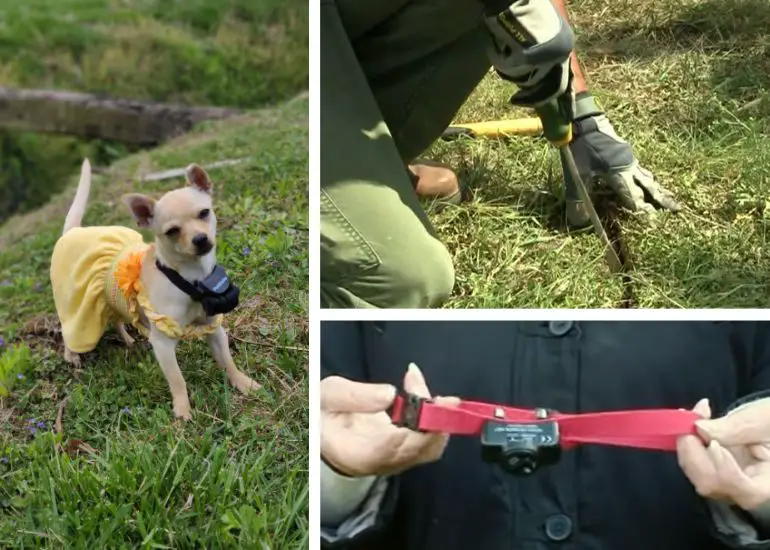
[[169, 289]]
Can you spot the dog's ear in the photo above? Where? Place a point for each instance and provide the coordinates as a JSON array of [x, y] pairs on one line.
[[198, 178], [142, 207]]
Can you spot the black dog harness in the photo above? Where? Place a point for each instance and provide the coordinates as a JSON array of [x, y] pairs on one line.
[[216, 293]]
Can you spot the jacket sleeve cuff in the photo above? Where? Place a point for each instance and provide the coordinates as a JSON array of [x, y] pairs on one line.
[[761, 518], [350, 506], [738, 528], [341, 495]]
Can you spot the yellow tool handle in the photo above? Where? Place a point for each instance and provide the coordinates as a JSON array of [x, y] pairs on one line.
[[497, 128]]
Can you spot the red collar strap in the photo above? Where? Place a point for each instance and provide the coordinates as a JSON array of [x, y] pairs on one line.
[[521, 440]]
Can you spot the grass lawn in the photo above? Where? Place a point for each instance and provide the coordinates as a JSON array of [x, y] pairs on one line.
[[121, 473], [686, 83]]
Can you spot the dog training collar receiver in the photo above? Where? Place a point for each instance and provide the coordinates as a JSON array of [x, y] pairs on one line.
[[522, 440], [216, 293]]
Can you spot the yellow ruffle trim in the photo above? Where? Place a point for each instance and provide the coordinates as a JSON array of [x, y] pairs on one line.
[[128, 278]]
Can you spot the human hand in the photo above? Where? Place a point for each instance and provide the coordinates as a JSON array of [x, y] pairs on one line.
[[531, 45], [730, 461], [600, 153], [358, 437]]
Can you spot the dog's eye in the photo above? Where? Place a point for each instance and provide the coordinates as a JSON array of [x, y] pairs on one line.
[[172, 231], [204, 214]]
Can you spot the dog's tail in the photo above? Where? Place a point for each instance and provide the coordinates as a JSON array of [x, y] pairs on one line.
[[78, 208]]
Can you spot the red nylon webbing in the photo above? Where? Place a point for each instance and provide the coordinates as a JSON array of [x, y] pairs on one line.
[[647, 428]]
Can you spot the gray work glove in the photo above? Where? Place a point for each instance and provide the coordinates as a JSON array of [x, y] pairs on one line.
[[531, 45], [601, 154]]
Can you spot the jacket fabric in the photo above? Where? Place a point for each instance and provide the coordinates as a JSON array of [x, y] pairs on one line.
[[596, 497]]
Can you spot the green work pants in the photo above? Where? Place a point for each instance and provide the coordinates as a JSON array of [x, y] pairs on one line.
[[393, 75]]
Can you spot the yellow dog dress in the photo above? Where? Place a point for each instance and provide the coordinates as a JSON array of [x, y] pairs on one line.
[[95, 276]]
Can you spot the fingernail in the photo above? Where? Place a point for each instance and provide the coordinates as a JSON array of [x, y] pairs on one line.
[[702, 403], [702, 408], [412, 368]]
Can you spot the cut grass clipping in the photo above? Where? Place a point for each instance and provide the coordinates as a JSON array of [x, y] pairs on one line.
[[91, 457], [686, 83]]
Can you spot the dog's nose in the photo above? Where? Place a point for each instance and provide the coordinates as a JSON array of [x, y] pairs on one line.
[[201, 242]]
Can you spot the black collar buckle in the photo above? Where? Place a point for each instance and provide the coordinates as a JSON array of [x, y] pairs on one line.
[[409, 415]]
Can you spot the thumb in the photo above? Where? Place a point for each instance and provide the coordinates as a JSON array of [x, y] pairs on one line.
[[703, 408], [715, 429], [746, 425], [414, 382], [448, 401], [342, 395]]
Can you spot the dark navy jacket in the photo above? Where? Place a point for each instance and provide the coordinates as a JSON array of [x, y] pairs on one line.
[[596, 497]]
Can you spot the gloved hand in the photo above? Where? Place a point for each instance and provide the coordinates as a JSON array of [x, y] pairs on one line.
[[734, 464], [531, 45], [358, 437], [601, 154]]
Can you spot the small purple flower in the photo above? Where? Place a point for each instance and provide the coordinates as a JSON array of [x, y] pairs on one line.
[[41, 425], [4, 460], [20, 376], [6, 283], [2, 342], [125, 410], [246, 251], [32, 430], [32, 421]]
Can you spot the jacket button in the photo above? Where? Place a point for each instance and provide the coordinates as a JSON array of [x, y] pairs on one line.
[[560, 328], [558, 527]]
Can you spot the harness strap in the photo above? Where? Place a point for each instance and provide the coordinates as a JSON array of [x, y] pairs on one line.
[[180, 282]]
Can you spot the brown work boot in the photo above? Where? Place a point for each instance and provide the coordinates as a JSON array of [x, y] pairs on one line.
[[433, 180]]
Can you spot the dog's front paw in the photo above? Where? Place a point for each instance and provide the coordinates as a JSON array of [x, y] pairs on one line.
[[245, 385], [124, 335], [182, 409], [71, 357]]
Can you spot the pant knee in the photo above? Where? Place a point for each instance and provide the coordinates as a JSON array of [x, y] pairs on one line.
[[425, 277], [414, 277]]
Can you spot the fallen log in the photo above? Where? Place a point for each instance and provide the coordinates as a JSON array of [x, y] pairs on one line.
[[90, 116]]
